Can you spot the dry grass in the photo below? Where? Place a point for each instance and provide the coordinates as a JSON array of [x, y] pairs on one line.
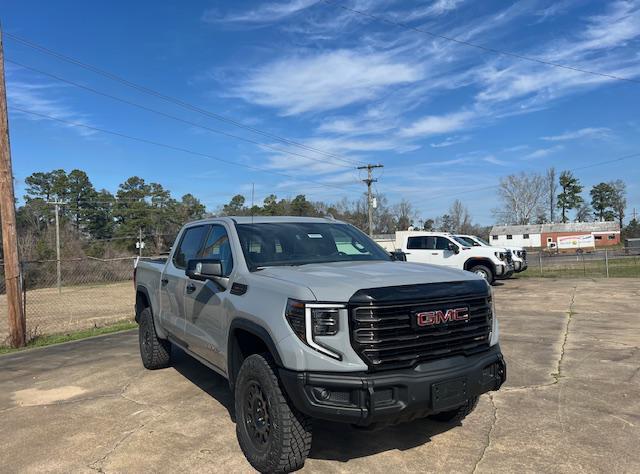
[[75, 308]]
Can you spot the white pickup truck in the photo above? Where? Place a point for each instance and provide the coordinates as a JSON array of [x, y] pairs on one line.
[[441, 248], [518, 254]]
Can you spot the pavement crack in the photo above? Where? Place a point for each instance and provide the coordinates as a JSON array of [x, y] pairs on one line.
[[558, 373], [487, 443]]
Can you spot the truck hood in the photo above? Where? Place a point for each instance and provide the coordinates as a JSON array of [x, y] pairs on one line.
[[338, 281]]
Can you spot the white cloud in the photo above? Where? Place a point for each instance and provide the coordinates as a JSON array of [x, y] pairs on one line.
[[449, 141], [45, 99], [589, 132], [437, 124], [494, 161], [324, 81], [543, 152], [436, 8], [266, 13]]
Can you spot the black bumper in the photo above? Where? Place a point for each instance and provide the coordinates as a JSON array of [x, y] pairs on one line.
[[398, 395]]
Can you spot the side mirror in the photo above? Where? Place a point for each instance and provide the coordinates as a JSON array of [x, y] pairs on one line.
[[453, 247], [204, 269], [398, 256]]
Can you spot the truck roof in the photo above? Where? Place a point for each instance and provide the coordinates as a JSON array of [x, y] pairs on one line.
[[271, 219]]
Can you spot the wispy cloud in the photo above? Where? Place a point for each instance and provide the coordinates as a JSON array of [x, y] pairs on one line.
[[46, 99], [543, 152], [450, 141], [265, 13], [589, 132], [324, 81], [437, 124]]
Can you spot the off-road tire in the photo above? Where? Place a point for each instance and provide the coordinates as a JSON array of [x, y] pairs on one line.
[[457, 414], [286, 445], [488, 274], [155, 352]]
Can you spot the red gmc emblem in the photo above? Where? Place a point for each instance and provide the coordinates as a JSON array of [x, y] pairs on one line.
[[431, 318]]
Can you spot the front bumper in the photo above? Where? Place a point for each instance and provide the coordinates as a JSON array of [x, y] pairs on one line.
[[520, 266], [504, 271], [395, 396]]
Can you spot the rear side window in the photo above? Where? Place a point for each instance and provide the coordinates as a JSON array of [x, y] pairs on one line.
[[425, 242], [218, 247], [189, 245]]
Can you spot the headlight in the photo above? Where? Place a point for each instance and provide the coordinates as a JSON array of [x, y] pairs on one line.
[[495, 331], [500, 255], [311, 320]]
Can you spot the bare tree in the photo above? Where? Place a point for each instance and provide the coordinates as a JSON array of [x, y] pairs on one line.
[[460, 218], [552, 188], [404, 214], [522, 198]]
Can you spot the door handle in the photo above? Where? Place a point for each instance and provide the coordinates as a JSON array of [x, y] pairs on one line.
[[191, 288], [164, 281], [434, 253]]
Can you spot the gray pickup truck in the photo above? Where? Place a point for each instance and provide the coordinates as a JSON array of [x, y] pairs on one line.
[[309, 318]]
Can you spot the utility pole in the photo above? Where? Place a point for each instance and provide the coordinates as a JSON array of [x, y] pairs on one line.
[[17, 323], [140, 242], [369, 181], [58, 272]]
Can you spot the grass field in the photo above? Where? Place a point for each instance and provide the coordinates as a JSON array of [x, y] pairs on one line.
[[618, 268], [75, 308]]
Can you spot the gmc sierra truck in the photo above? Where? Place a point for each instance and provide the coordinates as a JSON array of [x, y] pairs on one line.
[[309, 318], [442, 248], [518, 254]]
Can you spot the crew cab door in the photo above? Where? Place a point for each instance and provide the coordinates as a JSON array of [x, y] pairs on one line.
[[173, 280], [431, 249], [205, 312]]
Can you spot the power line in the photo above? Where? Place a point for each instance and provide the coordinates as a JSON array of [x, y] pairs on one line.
[[478, 46], [172, 147], [168, 98], [173, 117]]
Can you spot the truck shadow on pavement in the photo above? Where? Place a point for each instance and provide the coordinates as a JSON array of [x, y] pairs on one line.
[[331, 441]]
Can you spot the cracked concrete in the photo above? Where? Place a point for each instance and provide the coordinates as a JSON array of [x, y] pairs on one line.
[[571, 402]]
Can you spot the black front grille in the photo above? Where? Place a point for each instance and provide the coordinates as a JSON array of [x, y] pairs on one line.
[[524, 255], [386, 336], [509, 257]]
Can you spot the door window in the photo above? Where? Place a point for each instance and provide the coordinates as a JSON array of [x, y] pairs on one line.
[[442, 243], [189, 245], [218, 247]]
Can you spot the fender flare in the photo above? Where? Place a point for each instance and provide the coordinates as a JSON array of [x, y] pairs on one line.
[[138, 309], [255, 329]]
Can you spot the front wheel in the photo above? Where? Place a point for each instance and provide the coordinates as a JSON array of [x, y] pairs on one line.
[[484, 271], [273, 435]]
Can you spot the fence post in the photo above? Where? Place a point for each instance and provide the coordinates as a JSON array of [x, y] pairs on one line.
[[606, 261], [540, 260]]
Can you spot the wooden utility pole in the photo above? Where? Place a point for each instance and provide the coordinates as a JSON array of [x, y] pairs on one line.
[[58, 271], [17, 323], [368, 182]]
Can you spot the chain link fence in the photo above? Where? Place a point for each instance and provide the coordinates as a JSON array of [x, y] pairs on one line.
[[93, 292], [596, 264], [76, 294]]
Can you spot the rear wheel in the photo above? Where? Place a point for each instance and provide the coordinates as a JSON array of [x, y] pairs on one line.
[[457, 414], [155, 352], [484, 271], [273, 435]]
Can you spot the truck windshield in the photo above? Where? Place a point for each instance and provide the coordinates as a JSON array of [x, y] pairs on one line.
[[483, 242], [466, 241], [301, 243]]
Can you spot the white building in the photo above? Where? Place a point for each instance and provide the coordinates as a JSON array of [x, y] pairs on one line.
[[540, 235]]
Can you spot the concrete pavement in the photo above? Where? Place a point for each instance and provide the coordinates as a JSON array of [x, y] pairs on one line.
[[571, 403]]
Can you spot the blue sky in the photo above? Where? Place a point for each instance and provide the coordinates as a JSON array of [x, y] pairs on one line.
[[442, 117]]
